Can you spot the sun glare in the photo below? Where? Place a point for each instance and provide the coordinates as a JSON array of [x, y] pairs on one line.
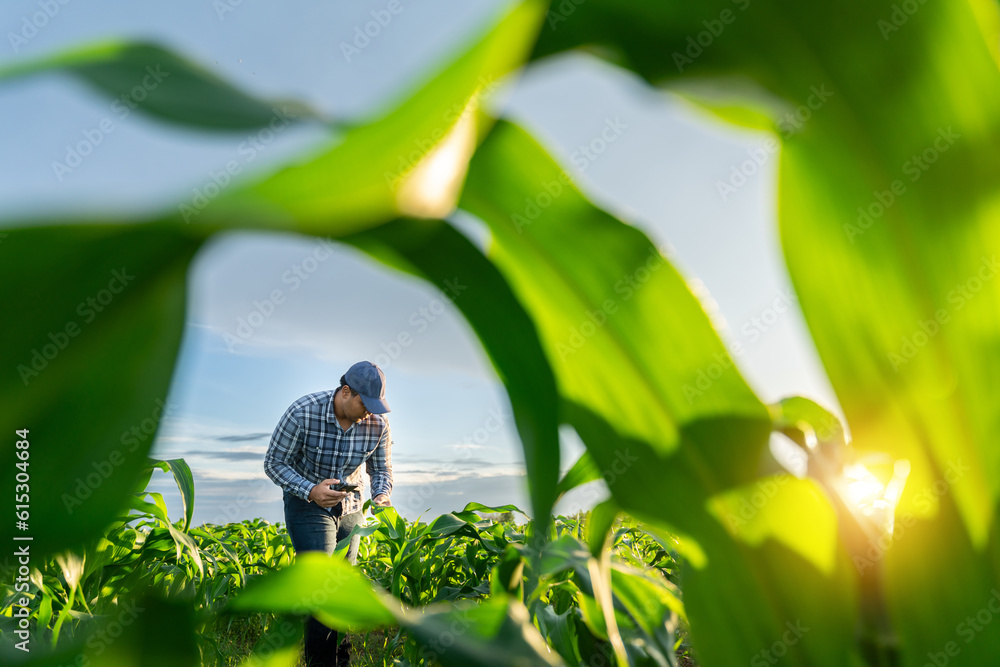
[[867, 496], [862, 488], [431, 189]]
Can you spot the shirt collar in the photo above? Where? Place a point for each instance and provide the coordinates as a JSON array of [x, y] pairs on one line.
[[330, 415]]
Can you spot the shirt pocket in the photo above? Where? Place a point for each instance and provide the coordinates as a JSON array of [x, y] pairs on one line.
[[312, 449], [370, 445]]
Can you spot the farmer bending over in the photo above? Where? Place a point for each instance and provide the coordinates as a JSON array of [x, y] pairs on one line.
[[322, 440]]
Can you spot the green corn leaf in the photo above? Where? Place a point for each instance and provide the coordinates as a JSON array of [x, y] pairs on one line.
[[599, 523], [625, 324], [183, 542], [584, 470], [149, 79], [436, 251], [499, 509], [161, 506], [508, 575], [409, 161], [279, 647], [122, 637], [496, 632], [151, 509], [651, 605], [87, 372], [565, 553], [887, 210], [601, 326], [185, 483], [812, 427], [449, 524], [332, 589], [45, 611], [560, 632], [393, 523]]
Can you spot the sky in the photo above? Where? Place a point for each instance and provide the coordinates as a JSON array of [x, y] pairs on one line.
[[245, 358]]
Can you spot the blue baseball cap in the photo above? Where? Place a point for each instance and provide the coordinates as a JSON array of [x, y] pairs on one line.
[[368, 380]]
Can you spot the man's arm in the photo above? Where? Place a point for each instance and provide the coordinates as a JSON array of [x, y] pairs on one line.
[[379, 466], [286, 443]]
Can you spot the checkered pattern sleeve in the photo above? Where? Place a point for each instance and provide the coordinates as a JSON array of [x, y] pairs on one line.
[[284, 450], [379, 464]]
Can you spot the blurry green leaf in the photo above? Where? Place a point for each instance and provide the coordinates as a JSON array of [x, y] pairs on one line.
[[330, 588], [835, 466], [771, 509], [171, 622], [139, 631], [497, 632], [95, 322], [602, 325], [142, 480], [151, 79], [810, 425], [71, 566], [280, 647], [410, 161], [693, 42], [632, 350], [887, 204], [436, 251], [890, 238]]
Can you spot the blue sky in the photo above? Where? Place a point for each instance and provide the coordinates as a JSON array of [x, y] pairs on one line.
[[661, 173]]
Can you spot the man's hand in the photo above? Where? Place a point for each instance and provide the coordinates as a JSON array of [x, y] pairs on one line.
[[381, 500], [324, 496]]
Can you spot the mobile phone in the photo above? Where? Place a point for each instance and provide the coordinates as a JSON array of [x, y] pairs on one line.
[[343, 486]]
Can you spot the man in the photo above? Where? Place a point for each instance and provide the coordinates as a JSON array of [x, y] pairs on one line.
[[320, 440]]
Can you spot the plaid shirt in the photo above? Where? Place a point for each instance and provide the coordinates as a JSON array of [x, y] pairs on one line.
[[309, 445]]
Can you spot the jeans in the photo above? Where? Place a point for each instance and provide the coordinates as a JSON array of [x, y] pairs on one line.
[[315, 528]]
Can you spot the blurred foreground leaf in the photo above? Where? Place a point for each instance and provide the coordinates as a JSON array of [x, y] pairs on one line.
[[410, 161], [495, 632], [439, 253], [654, 395], [330, 588], [888, 207], [93, 327], [150, 79]]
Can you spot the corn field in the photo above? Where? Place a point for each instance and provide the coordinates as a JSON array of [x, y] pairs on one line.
[[456, 569]]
